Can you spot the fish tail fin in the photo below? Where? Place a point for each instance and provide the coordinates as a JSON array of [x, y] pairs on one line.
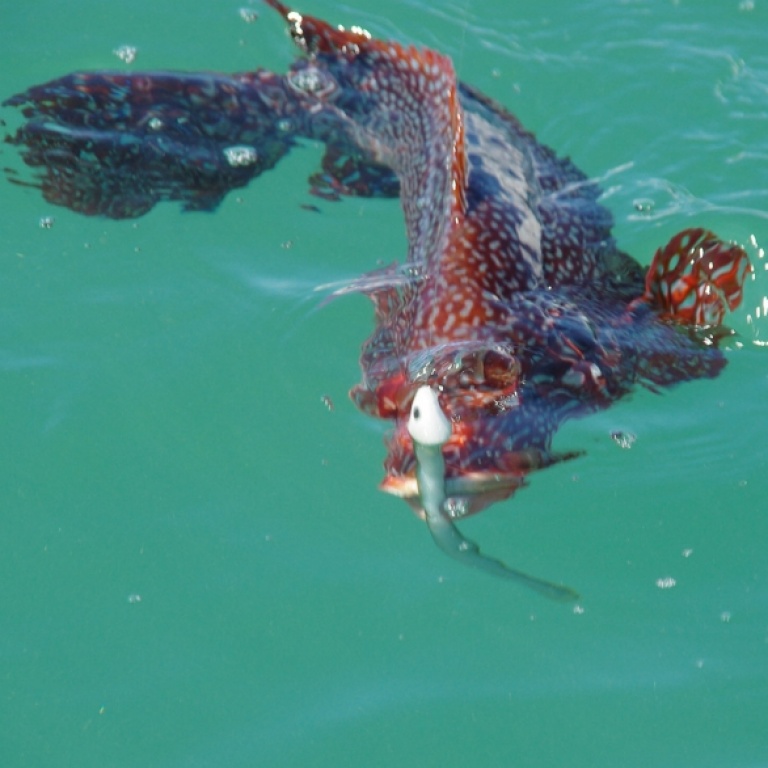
[[696, 278]]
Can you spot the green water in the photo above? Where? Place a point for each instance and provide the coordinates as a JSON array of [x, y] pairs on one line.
[[196, 568]]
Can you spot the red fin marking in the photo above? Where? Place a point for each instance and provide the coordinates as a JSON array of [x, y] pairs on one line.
[[317, 36], [697, 277]]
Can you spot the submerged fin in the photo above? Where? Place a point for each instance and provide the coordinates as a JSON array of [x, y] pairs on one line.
[[114, 144]]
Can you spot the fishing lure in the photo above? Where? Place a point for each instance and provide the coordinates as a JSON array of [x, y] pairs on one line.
[[514, 310]]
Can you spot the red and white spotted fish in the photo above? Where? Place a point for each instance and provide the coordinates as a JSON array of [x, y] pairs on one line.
[[514, 310]]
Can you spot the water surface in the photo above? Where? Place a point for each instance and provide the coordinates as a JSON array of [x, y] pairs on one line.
[[197, 568]]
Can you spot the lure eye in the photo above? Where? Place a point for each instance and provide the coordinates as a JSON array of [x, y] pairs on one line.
[[428, 424]]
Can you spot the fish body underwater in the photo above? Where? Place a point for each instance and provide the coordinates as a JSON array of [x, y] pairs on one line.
[[514, 304]]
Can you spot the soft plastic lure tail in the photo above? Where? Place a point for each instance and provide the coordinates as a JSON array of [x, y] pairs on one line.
[[430, 430]]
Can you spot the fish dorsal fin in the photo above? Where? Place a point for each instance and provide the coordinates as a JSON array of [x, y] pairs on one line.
[[409, 118]]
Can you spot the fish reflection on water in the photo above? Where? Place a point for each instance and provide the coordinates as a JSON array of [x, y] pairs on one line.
[[515, 310]]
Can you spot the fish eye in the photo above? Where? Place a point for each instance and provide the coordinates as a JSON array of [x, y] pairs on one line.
[[416, 413]]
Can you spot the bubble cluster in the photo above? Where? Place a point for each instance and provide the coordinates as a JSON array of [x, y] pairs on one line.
[[241, 155], [126, 53]]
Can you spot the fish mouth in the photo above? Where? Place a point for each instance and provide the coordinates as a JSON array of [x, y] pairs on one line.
[[465, 494], [470, 491]]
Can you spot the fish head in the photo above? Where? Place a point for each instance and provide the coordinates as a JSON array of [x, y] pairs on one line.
[[496, 436]]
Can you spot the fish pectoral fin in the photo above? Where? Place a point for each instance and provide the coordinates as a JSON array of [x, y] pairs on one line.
[[696, 278], [450, 539]]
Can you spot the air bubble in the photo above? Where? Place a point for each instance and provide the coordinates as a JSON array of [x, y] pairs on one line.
[[643, 205], [456, 507], [312, 81], [241, 155], [248, 15], [624, 440], [126, 53]]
